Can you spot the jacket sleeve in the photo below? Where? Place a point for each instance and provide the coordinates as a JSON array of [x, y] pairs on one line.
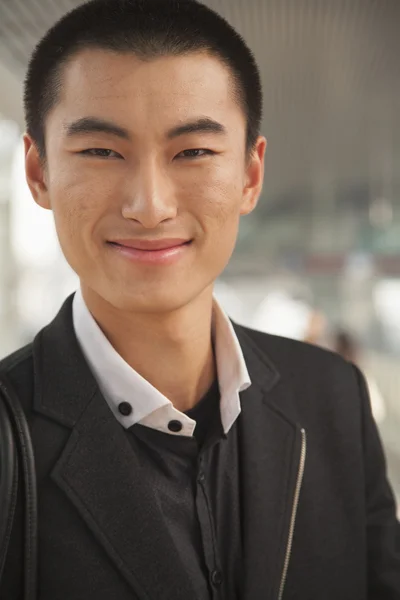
[[383, 528]]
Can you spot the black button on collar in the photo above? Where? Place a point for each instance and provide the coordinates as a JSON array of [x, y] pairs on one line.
[[125, 409], [175, 426], [216, 577]]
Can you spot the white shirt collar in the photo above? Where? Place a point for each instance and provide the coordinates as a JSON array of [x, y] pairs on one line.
[[118, 382]]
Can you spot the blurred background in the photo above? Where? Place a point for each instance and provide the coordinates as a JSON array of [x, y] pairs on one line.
[[320, 258]]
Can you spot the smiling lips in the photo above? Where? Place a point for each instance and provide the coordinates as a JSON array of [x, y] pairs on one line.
[[163, 251]]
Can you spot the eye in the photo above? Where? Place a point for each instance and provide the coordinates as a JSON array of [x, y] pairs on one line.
[[195, 153], [100, 153]]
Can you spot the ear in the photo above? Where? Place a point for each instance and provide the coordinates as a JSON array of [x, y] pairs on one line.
[[254, 177], [35, 173]]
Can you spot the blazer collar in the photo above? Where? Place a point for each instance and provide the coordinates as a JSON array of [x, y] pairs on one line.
[[64, 384]]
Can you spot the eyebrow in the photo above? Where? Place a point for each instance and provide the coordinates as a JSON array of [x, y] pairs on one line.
[[202, 125], [96, 125], [87, 125]]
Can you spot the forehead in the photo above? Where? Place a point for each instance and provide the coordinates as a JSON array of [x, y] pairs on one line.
[[166, 89]]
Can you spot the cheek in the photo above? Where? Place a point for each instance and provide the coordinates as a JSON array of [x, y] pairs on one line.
[[215, 204], [217, 200], [219, 184], [73, 213], [78, 202]]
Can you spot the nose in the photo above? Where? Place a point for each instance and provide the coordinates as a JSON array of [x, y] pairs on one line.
[[151, 200]]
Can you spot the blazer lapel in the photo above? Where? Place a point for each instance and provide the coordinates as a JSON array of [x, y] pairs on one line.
[[100, 473], [272, 451]]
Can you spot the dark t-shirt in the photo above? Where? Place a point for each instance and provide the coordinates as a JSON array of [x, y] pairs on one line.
[[196, 484]]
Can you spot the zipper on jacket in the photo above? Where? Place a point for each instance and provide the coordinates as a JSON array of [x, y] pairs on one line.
[[299, 481]]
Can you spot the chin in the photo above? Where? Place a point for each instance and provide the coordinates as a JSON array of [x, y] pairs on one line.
[[149, 302]]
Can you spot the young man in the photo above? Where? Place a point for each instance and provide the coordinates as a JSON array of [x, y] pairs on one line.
[[178, 456]]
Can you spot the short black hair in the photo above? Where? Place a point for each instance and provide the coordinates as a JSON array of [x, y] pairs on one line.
[[149, 29]]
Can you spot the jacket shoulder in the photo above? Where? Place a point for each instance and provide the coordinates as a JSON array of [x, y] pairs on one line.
[[296, 356], [327, 389], [17, 369], [17, 359]]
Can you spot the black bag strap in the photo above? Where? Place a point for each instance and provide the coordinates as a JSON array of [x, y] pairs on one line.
[[16, 455], [8, 481]]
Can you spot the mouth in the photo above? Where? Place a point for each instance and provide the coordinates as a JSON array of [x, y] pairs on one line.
[[164, 251]]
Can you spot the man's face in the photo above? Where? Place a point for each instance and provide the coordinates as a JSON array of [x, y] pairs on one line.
[[146, 152]]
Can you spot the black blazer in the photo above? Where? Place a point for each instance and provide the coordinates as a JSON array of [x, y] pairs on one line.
[[319, 515]]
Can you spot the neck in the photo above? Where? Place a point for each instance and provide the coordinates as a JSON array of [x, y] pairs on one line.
[[172, 351]]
